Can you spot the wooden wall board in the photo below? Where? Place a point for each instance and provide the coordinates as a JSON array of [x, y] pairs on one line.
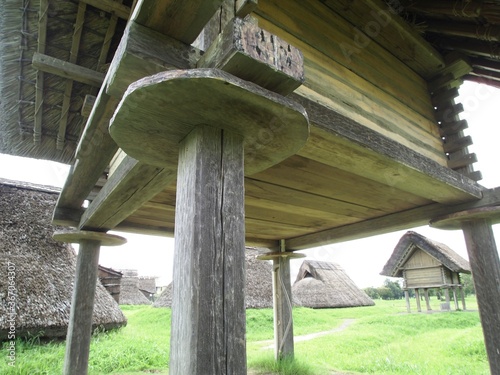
[[316, 25], [392, 32], [419, 259], [366, 96]]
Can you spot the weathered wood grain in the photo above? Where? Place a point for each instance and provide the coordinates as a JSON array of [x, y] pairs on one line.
[[253, 54], [67, 70], [143, 52], [208, 311], [485, 265], [181, 20], [43, 17], [132, 184], [366, 153], [175, 102], [110, 6], [392, 32]]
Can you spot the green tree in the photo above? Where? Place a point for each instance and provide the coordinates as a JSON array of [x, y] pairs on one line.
[[395, 288], [468, 283], [372, 292]]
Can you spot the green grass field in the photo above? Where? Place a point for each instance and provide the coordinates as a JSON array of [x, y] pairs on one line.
[[382, 339]]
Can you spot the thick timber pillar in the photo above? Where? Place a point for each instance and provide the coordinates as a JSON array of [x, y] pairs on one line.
[[208, 310], [485, 264], [206, 123], [282, 301], [82, 302], [427, 302]]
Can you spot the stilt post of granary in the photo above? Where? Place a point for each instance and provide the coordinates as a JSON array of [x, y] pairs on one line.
[[485, 264], [426, 296], [417, 298], [407, 298], [82, 302], [462, 298], [282, 301]]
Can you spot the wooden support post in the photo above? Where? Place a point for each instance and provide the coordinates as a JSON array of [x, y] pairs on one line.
[[485, 264], [417, 297], [82, 302], [426, 296], [208, 308], [455, 300], [407, 298], [447, 298], [282, 301], [462, 297]]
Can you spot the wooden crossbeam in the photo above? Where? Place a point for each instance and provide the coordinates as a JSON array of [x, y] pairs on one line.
[[179, 19], [61, 68], [115, 8], [390, 223], [75, 46], [143, 52], [132, 184], [95, 150], [42, 39]]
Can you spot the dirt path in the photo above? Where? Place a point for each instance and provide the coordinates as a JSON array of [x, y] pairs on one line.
[[345, 324]]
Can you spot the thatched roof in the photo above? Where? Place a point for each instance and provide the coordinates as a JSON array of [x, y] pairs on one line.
[[44, 269], [46, 125], [86, 34], [259, 286], [412, 241], [326, 285], [130, 293]]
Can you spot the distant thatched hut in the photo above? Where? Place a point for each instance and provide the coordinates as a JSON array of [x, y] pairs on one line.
[[36, 272], [424, 264], [326, 285], [147, 286], [259, 286], [130, 293]]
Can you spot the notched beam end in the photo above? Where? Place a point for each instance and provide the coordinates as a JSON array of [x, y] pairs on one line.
[[251, 53]]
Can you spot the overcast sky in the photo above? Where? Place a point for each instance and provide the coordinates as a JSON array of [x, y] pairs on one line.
[[362, 259]]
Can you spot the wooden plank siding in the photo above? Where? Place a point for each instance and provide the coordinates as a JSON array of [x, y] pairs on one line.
[[424, 277], [370, 86]]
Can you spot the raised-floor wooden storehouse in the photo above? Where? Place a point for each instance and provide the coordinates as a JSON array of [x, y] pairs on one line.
[[279, 124], [426, 264], [111, 280]]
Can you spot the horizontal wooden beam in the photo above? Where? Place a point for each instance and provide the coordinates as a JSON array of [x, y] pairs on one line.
[[128, 188], [489, 33], [483, 80], [143, 52], [389, 223], [382, 159], [95, 150], [486, 64], [110, 6], [67, 70], [246, 51], [178, 19]]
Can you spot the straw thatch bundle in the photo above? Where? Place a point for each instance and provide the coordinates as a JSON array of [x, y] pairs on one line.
[[129, 290], [20, 39], [326, 285], [259, 286], [41, 270]]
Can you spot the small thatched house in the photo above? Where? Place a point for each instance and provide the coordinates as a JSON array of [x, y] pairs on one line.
[[111, 280], [424, 264], [36, 272], [259, 286], [130, 293], [326, 285], [147, 286]]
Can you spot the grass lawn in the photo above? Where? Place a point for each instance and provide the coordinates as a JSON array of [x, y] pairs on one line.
[[382, 339]]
